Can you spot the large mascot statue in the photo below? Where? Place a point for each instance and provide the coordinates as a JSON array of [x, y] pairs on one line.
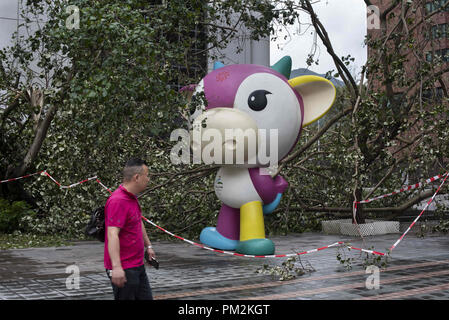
[[262, 99]]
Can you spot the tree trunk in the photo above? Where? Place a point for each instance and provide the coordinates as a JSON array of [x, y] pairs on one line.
[[15, 188], [360, 214]]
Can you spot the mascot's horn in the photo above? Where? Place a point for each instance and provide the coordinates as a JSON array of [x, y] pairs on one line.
[[283, 66]]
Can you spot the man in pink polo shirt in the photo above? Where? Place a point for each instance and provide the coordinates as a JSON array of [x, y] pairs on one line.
[[126, 239]]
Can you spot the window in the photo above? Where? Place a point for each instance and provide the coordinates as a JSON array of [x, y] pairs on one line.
[[443, 54], [440, 31], [435, 5], [435, 94]]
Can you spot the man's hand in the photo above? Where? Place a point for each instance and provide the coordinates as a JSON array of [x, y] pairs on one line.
[[151, 253], [118, 277]]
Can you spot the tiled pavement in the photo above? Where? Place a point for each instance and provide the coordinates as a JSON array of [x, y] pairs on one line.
[[417, 269]]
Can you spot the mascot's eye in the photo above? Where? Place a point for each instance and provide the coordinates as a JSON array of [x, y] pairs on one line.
[[257, 100]]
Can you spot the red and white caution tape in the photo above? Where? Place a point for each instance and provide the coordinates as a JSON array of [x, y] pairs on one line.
[[44, 172], [339, 243], [411, 187], [77, 183], [18, 178], [69, 186], [110, 192], [419, 216], [367, 251], [240, 254], [408, 188]]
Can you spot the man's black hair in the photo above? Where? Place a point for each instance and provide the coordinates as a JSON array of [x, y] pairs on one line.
[[133, 166], [135, 162]]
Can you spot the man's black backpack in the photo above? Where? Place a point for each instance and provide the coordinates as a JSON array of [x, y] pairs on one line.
[[96, 227]]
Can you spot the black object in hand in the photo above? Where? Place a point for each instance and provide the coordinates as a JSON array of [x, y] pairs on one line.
[[152, 262]]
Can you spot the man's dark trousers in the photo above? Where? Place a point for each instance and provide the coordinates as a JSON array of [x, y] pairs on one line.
[[137, 285]]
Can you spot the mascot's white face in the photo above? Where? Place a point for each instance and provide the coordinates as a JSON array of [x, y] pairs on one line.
[[275, 108], [263, 109]]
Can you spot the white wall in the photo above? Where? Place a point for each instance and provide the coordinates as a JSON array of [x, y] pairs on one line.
[[8, 9]]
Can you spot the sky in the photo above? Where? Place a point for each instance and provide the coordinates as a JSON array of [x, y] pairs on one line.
[[345, 21]]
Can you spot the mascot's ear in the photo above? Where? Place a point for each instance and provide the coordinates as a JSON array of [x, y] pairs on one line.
[[318, 95]]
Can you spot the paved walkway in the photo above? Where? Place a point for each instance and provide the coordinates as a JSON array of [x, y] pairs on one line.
[[417, 269]]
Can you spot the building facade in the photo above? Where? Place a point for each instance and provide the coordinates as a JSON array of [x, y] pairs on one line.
[[428, 24]]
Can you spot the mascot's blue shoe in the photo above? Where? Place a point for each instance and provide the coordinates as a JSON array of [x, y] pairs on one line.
[[212, 238], [257, 247]]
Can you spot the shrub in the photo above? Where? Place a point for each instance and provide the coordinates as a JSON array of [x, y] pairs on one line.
[[68, 223], [11, 214]]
